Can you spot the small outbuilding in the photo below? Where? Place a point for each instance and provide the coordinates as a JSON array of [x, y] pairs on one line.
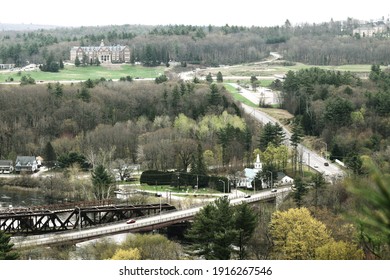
[[6, 166]]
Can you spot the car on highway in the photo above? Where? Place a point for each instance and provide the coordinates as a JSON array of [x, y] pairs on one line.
[[315, 166], [131, 221], [247, 196], [326, 163], [274, 190]]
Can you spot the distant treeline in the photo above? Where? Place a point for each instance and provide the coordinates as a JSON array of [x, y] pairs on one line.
[[330, 43]]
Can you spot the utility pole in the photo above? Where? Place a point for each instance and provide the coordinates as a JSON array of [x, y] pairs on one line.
[[271, 178]]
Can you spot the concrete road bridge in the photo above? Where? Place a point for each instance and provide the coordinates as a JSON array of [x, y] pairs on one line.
[[143, 224]]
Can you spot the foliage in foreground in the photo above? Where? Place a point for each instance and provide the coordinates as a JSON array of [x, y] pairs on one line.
[[6, 251], [219, 229], [296, 235], [372, 209]]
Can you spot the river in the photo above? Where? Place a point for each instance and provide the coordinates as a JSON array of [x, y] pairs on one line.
[[18, 197]]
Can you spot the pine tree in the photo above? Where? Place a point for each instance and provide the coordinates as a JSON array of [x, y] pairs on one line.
[[102, 183], [209, 78], [6, 252], [219, 77], [77, 61], [213, 231], [296, 136], [299, 191], [245, 223], [198, 164], [50, 155], [271, 134]]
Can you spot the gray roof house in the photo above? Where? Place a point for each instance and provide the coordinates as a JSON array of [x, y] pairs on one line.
[[26, 163]]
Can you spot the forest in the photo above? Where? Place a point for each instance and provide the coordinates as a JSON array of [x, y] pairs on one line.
[[329, 43], [158, 125], [166, 125]]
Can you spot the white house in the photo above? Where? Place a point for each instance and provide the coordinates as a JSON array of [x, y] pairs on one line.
[[286, 180]]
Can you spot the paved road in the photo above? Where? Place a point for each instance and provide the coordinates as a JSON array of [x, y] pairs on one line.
[[311, 158], [111, 229]]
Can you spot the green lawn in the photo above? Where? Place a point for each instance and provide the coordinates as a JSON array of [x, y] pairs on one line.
[[354, 68], [71, 73]]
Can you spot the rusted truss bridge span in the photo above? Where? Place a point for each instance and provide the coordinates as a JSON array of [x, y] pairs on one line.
[[40, 220]]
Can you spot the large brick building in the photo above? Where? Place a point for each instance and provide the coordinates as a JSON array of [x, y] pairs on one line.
[[105, 54]]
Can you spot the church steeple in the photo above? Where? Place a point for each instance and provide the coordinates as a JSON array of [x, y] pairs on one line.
[[102, 43], [258, 164]]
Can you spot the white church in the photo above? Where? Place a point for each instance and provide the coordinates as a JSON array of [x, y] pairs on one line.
[[250, 174]]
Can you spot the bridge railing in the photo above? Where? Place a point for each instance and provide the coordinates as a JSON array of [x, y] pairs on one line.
[[117, 228], [87, 234]]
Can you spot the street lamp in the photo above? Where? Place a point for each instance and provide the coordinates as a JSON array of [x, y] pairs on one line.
[[160, 208], [271, 178], [223, 185]]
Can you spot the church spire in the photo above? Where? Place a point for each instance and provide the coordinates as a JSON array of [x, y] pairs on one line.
[[102, 43], [258, 164]]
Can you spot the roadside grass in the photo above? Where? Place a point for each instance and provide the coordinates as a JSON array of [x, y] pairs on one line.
[[72, 73], [238, 96], [165, 188]]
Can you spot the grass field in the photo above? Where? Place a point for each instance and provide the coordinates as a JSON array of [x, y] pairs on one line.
[[116, 71], [72, 73]]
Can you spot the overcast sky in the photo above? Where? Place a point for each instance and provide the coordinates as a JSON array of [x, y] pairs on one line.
[[198, 12]]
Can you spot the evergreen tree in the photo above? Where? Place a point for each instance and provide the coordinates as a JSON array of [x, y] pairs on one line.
[[318, 184], [299, 191], [58, 90], [215, 97], [89, 83], [209, 78], [77, 62], [102, 183], [213, 231], [219, 77], [372, 213], [198, 164], [296, 136], [271, 134], [61, 64], [50, 155], [254, 82], [245, 223], [84, 94], [6, 252]]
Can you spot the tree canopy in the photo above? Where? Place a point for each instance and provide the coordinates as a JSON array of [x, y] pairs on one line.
[[218, 226]]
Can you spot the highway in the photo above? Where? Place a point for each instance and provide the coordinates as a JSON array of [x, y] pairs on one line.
[[332, 172], [148, 223]]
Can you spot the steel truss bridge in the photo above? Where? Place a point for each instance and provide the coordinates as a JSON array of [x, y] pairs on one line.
[[40, 220], [143, 224]]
